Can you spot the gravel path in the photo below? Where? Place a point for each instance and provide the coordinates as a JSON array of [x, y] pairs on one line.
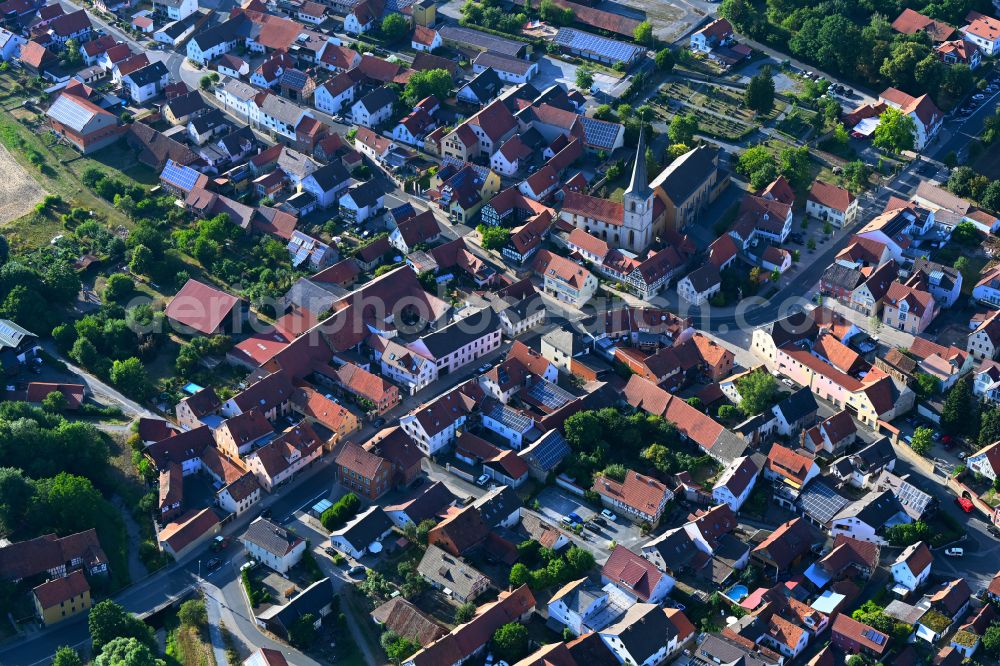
[[19, 192]]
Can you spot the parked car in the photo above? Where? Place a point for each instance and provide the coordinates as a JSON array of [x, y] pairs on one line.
[[575, 517], [357, 570], [994, 530], [214, 563], [965, 504], [379, 422], [954, 552], [483, 480], [610, 515], [331, 551]]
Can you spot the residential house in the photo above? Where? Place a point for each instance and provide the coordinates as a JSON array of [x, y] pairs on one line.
[[363, 534], [273, 545], [146, 83], [983, 31], [407, 621], [647, 635], [866, 519], [984, 342], [460, 531], [795, 412], [700, 285], [637, 496], [61, 598], [636, 576], [284, 456], [856, 637], [832, 204], [784, 547], [454, 576], [374, 108], [910, 570], [833, 435], [737, 480], [909, 307]]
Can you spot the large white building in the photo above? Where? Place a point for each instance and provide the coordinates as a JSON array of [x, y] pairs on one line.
[[273, 545]]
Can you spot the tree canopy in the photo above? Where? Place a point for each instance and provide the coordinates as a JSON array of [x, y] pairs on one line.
[[895, 132], [759, 95], [436, 82]]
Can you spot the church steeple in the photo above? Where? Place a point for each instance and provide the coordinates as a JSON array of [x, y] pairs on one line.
[[638, 187]]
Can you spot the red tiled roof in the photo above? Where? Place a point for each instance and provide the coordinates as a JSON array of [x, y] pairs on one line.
[[604, 210], [178, 535], [73, 392], [643, 493], [58, 590], [200, 306], [830, 196], [632, 571]]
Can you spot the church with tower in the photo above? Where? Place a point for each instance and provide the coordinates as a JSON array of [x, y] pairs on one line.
[[631, 225], [648, 210]]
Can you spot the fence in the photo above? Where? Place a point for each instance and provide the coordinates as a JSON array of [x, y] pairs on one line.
[[565, 482]]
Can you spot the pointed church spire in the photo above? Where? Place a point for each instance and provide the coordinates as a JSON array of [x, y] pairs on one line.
[[638, 187]]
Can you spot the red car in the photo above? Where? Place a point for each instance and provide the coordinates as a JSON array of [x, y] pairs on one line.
[[964, 503]]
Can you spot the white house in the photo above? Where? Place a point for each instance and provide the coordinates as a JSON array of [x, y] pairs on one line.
[[425, 39], [717, 33], [582, 606], [434, 425], [362, 201], [927, 117], [374, 108], [239, 495], [700, 285], [273, 545], [332, 96], [175, 10], [327, 184], [984, 32], [147, 82], [867, 518], [735, 483], [985, 461], [912, 567], [363, 534], [832, 204], [644, 636], [281, 116]]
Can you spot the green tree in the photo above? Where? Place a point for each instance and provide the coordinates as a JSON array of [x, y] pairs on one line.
[[643, 34], [759, 96], [205, 82], [991, 640], [493, 238], [757, 164], [793, 164], [464, 613], [896, 131], [193, 613], [857, 175], [117, 287], [67, 656], [142, 260], [990, 198], [394, 26], [665, 60], [16, 492], [728, 412], [436, 82], [510, 642], [927, 385], [302, 633], [923, 441], [683, 128], [580, 561], [585, 77], [130, 376], [108, 620], [55, 402], [554, 14], [989, 428], [127, 651], [757, 391], [907, 534], [519, 575], [960, 415]]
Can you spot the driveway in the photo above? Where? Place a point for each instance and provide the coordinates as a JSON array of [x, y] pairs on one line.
[[555, 502], [553, 70]]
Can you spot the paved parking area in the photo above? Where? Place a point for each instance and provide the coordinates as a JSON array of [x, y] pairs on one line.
[[555, 502], [553, 70]]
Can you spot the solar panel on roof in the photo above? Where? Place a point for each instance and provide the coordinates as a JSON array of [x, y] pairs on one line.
[[598, 133], [586, 42], [69, 113], [180, 176], [551, 451], [821, 501], [509, 418], [549, 394], [874, 636]]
